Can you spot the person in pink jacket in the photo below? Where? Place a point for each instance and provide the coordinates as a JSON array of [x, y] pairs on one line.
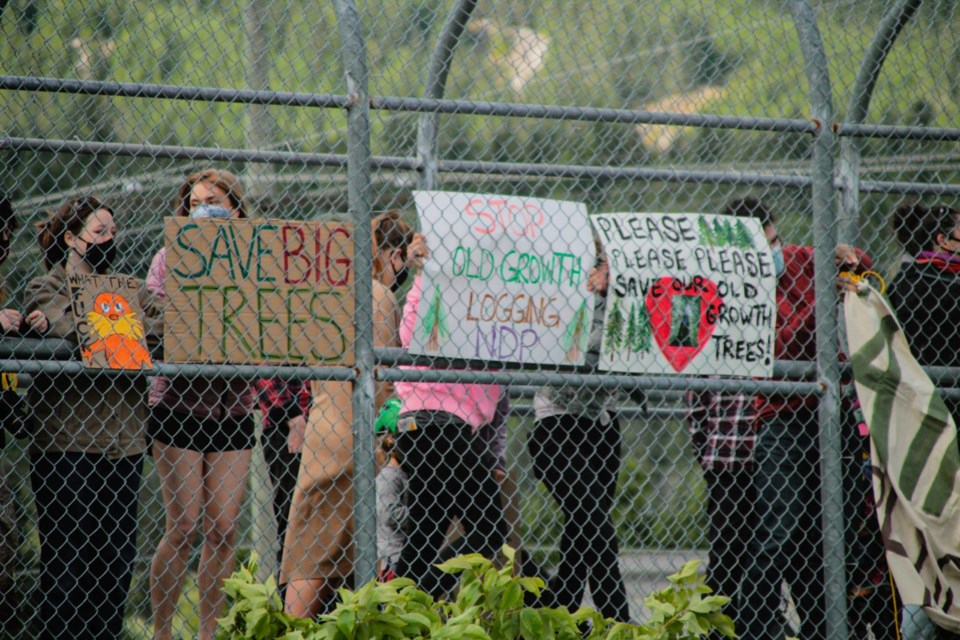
[[446, 465]]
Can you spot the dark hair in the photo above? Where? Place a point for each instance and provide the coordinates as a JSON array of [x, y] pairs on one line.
[[389, 232], [8, 221], [750, 208], [917, 227], [71, 216], [217, 178]]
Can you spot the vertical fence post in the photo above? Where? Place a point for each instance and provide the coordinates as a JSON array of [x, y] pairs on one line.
[[825, 240], [428, 128], [260, 135], [893, 22], [353, 52]]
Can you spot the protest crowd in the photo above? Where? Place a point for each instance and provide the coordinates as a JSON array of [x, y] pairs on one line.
[[716, 294]]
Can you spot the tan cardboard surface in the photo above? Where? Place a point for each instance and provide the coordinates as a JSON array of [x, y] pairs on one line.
[[259, 291]]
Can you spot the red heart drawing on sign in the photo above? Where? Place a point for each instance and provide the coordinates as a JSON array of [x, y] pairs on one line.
[[678, 317]]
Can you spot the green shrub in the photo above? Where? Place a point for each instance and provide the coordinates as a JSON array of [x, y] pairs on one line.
[[489, 606]]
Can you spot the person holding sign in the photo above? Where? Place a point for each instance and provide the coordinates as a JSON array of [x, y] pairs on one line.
[[788, 535], [723, 432], [575, 448], [446, 465], [318, 548], [203, 434], [87, 452]]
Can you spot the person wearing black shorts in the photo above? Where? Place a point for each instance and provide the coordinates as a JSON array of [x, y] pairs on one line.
[[202, 433]]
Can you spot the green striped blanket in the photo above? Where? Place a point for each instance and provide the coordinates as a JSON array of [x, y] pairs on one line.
[[914, 456]]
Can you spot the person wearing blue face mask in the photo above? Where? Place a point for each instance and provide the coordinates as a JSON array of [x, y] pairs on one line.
[[203, 433], [211, 211]]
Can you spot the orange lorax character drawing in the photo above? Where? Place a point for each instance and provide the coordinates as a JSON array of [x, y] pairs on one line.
[[117, 332]]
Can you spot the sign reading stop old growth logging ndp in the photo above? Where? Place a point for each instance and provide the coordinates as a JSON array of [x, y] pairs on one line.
[[506, 279], [259, 291], [689, 293]]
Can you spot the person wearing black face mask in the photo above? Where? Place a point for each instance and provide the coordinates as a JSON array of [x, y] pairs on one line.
[[100, 255], [399, 277], [87, 450]]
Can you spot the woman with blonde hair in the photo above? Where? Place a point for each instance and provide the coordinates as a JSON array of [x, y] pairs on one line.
[[203, 433]]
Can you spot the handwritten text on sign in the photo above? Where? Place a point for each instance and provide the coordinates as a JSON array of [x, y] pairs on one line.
[[506, 279], [689, 293], [253, 291]]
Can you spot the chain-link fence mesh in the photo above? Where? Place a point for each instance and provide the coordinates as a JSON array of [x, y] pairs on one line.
[[126, 498]]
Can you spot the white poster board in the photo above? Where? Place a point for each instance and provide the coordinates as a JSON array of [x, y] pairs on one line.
[[506, 278], [689, 293]]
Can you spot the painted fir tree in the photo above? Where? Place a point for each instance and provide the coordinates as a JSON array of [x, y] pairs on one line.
[[706, 234], [435, 322], [614, 329], [718, 232], [576, 334], [644, 336], [744, 239], [729, 238]]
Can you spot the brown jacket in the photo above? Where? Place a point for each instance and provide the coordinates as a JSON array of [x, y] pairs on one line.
[[89, 412]]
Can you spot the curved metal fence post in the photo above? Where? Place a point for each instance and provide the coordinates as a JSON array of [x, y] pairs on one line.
[[428, 128], [850, 146], [354, 55], [825, 240]]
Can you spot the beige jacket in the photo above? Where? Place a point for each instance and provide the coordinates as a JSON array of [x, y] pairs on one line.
[[89, 412]]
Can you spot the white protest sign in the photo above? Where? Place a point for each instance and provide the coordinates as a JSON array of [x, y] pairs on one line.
[[689, 293], [506, 278]]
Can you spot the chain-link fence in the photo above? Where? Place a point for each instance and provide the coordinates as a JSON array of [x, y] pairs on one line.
[[549, 393]]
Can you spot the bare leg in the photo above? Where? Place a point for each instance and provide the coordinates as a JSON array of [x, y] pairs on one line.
[[180, 479], [224, 482], [304, 597]]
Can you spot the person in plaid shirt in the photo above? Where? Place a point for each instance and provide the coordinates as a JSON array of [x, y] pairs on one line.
[[723, 432], [285, 405]]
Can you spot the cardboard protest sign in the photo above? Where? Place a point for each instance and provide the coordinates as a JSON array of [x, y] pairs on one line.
[[689, 293], [506, 279], [259, 291], [108, 318]]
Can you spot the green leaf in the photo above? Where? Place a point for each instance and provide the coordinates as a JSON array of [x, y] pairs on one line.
[[531, 625], [460, 563], [687, 573], [534, 585], [346, 622]]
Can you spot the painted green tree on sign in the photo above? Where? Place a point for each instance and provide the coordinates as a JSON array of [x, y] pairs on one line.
[[576, 334], [718, 232], [614, 328], [728, 234], [706, 234], [435, 322], [744, 239], [642, 339]]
